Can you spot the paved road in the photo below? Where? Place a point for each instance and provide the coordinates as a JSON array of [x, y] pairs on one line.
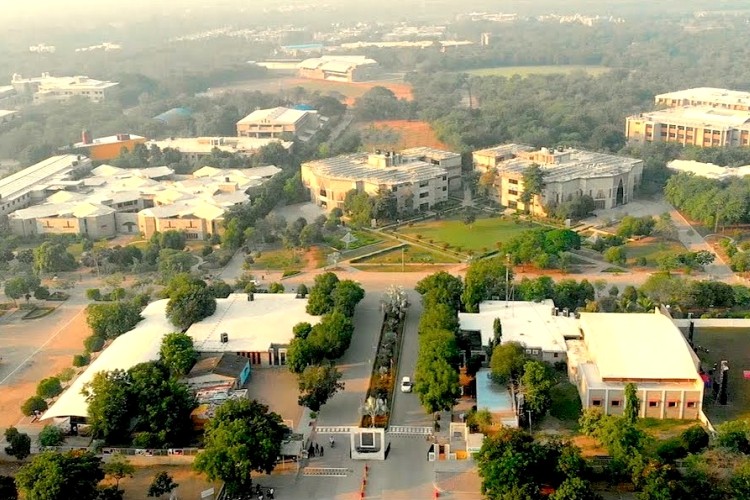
[[406, 407], [356, 365]]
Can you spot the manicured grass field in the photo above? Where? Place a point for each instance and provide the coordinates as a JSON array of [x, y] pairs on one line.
[[732, 345], [362, 238], [410, 254], [652, 249], [282, 258], [396, 268], [483, 234], [508, 71]]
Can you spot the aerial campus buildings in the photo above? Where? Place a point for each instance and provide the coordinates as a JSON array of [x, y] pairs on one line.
[[703, 117], [419, 178], [254, 327], [47, 88], [111, 201], [603, 351], [568, 174], [280, 123], [194, 148], [339, 68]]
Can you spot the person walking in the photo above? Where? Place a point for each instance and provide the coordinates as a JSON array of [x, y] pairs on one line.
[[321, 451], [270, 493]]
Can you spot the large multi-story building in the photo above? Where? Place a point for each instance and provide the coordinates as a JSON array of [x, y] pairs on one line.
[[703, 117], [33, 184], [339, 68], [417, 182], [128, 201], [567, 174], [279, 122], [47, 88], [197, 147]]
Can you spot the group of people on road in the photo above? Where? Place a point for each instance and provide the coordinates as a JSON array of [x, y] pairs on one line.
[[315, 450], [259, 492]]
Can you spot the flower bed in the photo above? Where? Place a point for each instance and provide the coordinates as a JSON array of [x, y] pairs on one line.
[[383, 378]]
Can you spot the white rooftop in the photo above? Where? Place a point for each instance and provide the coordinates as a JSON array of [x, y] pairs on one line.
[[431, 153], [129, 349], [279, 116], [48, 82], [204, 145], [336, 63], [110, 139], [252, 326], [531, 324], [503, 150], [355, 167], [638, 346], [24, 181], [708, 170], [699, 116], [708, 94]]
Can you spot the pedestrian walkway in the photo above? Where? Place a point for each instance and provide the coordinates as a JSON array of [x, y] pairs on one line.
[[334, 429]]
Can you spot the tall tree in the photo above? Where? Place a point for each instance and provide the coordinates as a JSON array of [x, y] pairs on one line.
[[436, 383], [189, 305], [484, 280], [320, 299], [61, 476], [536, 383], [507, 362], [243, 437], [118, 468], [178, 353], [108, 399], [441, 288], [161, 485], [19, 443], [317, 384], [385, 205], [533, 185], [632, 403], [346, 296], [52, 257]]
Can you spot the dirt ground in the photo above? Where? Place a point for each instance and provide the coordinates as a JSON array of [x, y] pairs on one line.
[[191, 483], [411, 134], [277, 388], [19, 342]]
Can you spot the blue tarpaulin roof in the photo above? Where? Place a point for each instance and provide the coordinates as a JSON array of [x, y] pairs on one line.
[[492, 396]]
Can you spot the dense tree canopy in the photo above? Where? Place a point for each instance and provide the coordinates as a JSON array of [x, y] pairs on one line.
[[61, 476], [177, 353]]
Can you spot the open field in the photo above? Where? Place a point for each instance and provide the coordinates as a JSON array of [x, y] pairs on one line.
[[652, 249], [732, 345], [508, 71], [410, 255], [351, 91], [399, 134], [279, 259], [484, 233]]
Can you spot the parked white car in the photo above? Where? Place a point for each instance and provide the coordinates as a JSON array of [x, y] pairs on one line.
[[406, 384]]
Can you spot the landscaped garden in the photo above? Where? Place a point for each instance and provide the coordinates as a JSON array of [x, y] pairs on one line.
[[652, 249], [482, 235], [407, 254]]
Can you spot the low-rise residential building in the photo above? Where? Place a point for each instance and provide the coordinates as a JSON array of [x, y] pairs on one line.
[[609, 180], [279, 123], [225, 369], [339, 68], [618, 348], [195, 148], [708, 170], [47, 88], [417, 184], [106, 148], [538, 326], [255, 326], [31, 185]]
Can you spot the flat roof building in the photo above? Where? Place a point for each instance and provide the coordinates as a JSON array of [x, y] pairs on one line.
[[618, 348], [106, 148], [568, 173], [417, 182], [29, 186], [339, 68], [702, 126], [708, 170], [256, 326], [198, 147], [706, 96], [538, 326], [279, 123], [47, 88]]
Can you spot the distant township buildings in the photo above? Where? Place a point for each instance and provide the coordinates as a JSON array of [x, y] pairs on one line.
[[419, 177], [47, 88], [106, 148], [279, 123], [339, 68], [129, 201], [703, 117], [568, 174]]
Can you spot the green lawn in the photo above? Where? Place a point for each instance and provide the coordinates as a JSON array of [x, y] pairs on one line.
[[652, 249], [566, 404], [732, 345], [362, 238], [282, 259], [508, 71], [410, 255], [396, 268], [483, 234]]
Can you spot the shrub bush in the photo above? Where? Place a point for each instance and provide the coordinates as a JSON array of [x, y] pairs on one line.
[[49, 387], [80, 360], [94, 294], [67, 374], [93, 343], [207, 250], [671, 450], [695, 439], [41, 293], [33, 404], [51, 435]]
